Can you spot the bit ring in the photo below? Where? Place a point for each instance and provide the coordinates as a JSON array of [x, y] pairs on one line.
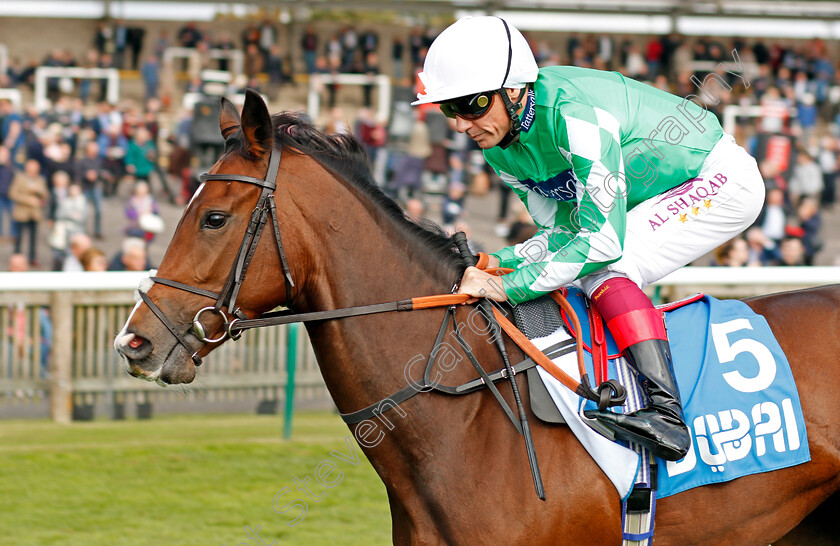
[[198, 328]]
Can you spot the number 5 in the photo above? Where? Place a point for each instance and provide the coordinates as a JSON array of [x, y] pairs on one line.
[[727, 352]]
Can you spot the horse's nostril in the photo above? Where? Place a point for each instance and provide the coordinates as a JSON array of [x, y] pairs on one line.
[[133, 346]]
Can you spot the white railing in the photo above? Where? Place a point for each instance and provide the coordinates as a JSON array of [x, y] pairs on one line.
[[56, 343], [51, 281], [779, 277], [86, 310], [749, 276], [737, 282], [189, 100], [13, 95]]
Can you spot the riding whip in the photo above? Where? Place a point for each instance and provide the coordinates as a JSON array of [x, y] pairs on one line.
[[461, 241]]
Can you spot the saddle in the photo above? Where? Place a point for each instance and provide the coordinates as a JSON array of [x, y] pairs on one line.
[[539, 318], [542, 317]]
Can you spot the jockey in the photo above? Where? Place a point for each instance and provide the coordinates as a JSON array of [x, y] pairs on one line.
[[626, 182]]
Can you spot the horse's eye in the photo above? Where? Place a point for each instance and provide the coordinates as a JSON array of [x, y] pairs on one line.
[[215, 220]]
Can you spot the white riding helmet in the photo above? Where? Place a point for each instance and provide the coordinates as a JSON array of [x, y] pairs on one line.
[[476, 54]]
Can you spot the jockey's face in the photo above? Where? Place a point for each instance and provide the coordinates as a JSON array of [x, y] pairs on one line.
[[488, 130]]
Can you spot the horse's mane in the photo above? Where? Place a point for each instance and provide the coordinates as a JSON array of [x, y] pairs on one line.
[[345, 156]]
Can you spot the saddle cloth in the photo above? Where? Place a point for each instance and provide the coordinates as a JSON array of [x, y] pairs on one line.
[[741, 404]]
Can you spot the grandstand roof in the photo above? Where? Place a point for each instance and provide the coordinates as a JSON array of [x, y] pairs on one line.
[[824, 10]]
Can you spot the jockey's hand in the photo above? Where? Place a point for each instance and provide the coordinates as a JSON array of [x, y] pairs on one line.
[[480, 284]]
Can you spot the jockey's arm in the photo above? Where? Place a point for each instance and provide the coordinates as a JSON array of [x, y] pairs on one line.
[[578, 236]]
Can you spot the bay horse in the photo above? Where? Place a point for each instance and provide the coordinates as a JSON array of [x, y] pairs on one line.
[[454, 468]]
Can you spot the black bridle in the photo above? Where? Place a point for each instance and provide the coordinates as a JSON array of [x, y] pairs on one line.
[[233, 328], [264, 209]]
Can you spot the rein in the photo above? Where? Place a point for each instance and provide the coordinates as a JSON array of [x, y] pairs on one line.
[[607, 394]]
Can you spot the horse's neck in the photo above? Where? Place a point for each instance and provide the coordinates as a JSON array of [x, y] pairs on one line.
[[355, 252], [358, 255], [361, 257], [367, 359], [430, 450], [360, 264]]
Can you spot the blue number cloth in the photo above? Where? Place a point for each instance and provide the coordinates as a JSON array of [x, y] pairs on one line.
[[738, 392]]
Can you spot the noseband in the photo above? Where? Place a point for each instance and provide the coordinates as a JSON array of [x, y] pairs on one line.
[[264, 209]]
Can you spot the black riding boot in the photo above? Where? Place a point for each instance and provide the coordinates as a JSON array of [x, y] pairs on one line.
[[660, 427]]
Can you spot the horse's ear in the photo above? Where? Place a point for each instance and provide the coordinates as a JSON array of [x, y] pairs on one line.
[[228, 118], [256, 124]]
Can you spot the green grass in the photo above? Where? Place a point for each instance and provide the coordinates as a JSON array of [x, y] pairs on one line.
[[183, 480]]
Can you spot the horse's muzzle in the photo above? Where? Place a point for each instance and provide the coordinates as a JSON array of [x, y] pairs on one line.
[[140, 361], [133, 347]]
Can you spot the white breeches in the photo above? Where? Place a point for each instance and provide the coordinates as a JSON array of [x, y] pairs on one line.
[[675, 228]]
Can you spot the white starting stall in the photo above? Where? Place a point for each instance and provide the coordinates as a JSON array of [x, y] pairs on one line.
[[44, 73], [747, 69], [381, 81], [4, 58], [732, 112], [13, 95], [235, 56]]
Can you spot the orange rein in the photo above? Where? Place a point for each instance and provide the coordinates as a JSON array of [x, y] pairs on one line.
[[442, 300]]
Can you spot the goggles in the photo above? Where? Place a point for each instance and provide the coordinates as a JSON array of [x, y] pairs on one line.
[[470, 107]]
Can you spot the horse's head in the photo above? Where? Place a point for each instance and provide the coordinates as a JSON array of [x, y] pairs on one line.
[[227, 230]]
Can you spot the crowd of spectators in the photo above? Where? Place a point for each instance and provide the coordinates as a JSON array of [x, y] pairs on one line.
[[794, 136], [60, 167]]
